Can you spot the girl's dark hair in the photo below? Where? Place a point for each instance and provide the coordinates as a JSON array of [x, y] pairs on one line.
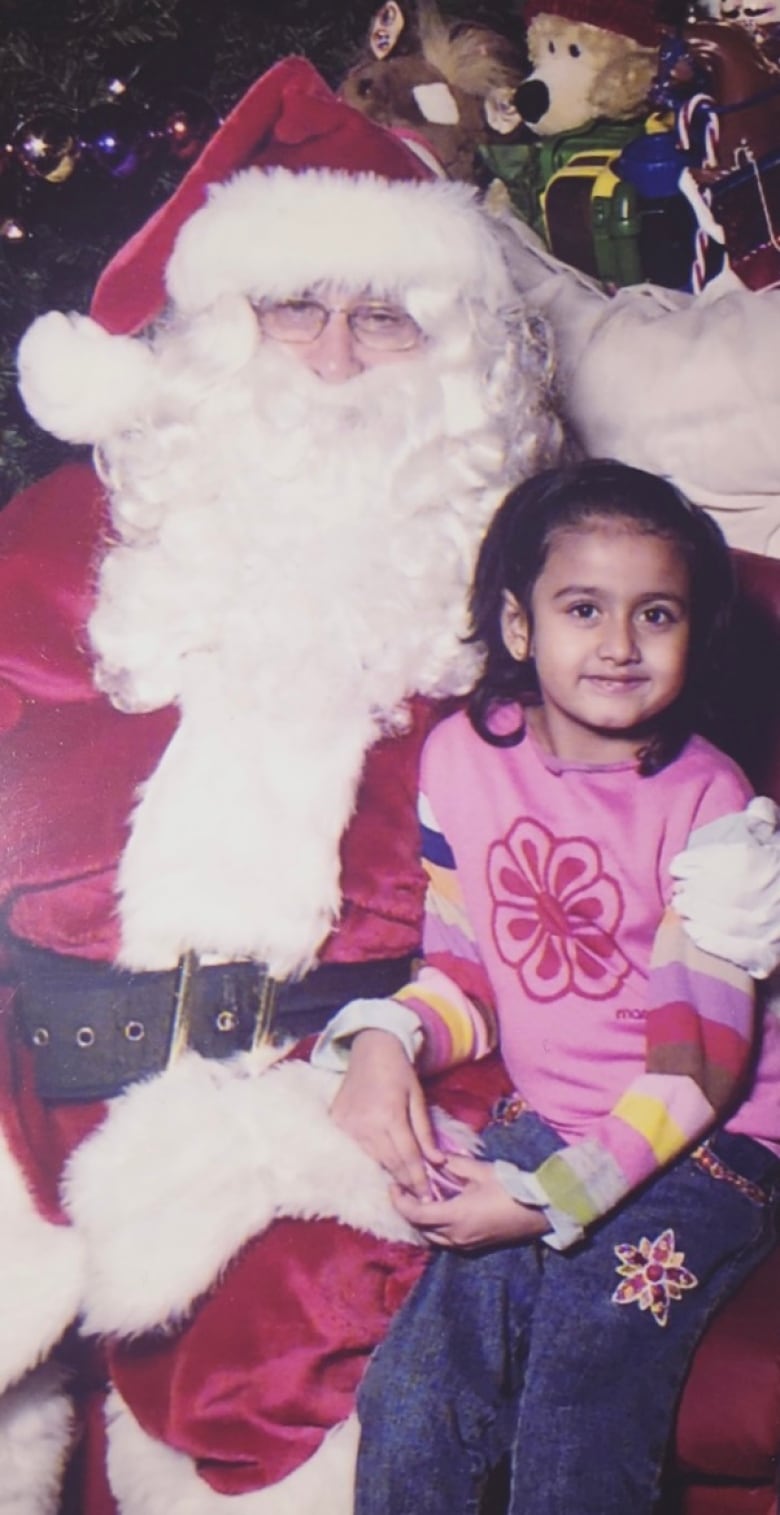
[[514, 553]]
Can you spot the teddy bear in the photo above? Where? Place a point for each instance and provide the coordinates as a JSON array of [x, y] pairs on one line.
[[590, 60], [592, 66]]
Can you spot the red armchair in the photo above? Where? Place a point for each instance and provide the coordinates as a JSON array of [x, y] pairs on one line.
[[727, 1445]]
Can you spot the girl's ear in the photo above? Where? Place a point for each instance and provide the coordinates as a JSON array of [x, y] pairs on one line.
[[515, 628]]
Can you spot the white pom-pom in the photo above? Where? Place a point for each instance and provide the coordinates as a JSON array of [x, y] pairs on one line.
[[78, 381]]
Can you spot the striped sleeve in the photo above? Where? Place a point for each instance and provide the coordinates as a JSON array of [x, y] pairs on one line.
[[699, 1042], [451, 994]]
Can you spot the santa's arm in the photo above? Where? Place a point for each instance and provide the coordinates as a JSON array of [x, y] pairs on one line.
[[706, 370], [685, 386]]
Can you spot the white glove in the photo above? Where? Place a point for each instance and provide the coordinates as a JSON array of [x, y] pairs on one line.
[[728, 887]]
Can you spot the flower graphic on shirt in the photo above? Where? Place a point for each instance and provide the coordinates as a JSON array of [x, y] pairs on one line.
[[555, 912], [652, 1275]]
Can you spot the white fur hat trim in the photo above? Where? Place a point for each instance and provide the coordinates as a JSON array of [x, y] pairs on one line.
[[273, 232]]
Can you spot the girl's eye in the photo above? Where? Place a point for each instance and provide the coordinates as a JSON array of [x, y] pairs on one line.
[[551, 47], [574, 50], [659, 615], [583, 611]]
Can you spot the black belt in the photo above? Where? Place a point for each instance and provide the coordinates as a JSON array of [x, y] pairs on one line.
[[94, 1029]]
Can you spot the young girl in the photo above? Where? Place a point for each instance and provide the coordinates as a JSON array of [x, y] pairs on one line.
[[628, 1187]]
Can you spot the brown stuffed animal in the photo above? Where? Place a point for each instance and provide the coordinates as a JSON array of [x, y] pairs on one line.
[[591, 59], [427, 77]]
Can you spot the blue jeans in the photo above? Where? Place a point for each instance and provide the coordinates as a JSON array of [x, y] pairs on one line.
[[526, 1351]]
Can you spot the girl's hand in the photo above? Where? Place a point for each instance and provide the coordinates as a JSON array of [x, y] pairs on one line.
[[481, 1215], [382, 1106]]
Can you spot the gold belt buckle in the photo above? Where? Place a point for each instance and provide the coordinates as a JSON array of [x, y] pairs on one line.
[[182, 1006], [265, 1013]]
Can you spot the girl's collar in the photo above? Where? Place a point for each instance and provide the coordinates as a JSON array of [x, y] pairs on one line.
[[507, 718]]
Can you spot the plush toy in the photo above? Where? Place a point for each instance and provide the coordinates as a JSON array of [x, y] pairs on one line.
[[427, 77], [593, 64], [591, 60]]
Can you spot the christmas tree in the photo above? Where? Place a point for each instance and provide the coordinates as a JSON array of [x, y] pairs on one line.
[[105, 104]]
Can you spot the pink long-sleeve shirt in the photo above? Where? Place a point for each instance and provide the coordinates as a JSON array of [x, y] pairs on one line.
[[548, 928]]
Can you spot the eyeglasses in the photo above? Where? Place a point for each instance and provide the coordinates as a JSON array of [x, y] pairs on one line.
[[385, 328]]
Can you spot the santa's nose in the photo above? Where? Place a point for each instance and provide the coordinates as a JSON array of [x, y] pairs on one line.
[[532, 100], [335, 355]]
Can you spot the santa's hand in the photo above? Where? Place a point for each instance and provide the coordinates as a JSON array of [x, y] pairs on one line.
[[483, 1214], [382, 1106], [728, 887]]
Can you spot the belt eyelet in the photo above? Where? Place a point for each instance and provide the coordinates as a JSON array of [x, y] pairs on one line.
[[226, 1020], [40, 1036], [134, 1031], [85, 1037]]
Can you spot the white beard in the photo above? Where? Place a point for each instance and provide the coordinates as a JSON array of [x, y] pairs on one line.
[[293, 569]]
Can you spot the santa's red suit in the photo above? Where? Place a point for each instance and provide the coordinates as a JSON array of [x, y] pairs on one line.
[[71, 767], [217, 667]]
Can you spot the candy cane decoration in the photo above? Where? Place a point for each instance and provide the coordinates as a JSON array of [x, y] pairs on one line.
[[708, 230], [705, 106]]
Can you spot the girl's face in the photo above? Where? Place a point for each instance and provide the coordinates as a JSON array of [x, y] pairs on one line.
[[610, 632]]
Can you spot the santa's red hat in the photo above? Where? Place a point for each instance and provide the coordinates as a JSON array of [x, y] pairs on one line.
[[295, 188], [289, 119], [627, 18]]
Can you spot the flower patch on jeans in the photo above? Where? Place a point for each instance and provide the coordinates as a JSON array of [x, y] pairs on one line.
[[652, 1275]]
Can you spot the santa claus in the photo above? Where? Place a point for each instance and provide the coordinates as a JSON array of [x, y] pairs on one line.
[[217, 644], [221, 651]]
